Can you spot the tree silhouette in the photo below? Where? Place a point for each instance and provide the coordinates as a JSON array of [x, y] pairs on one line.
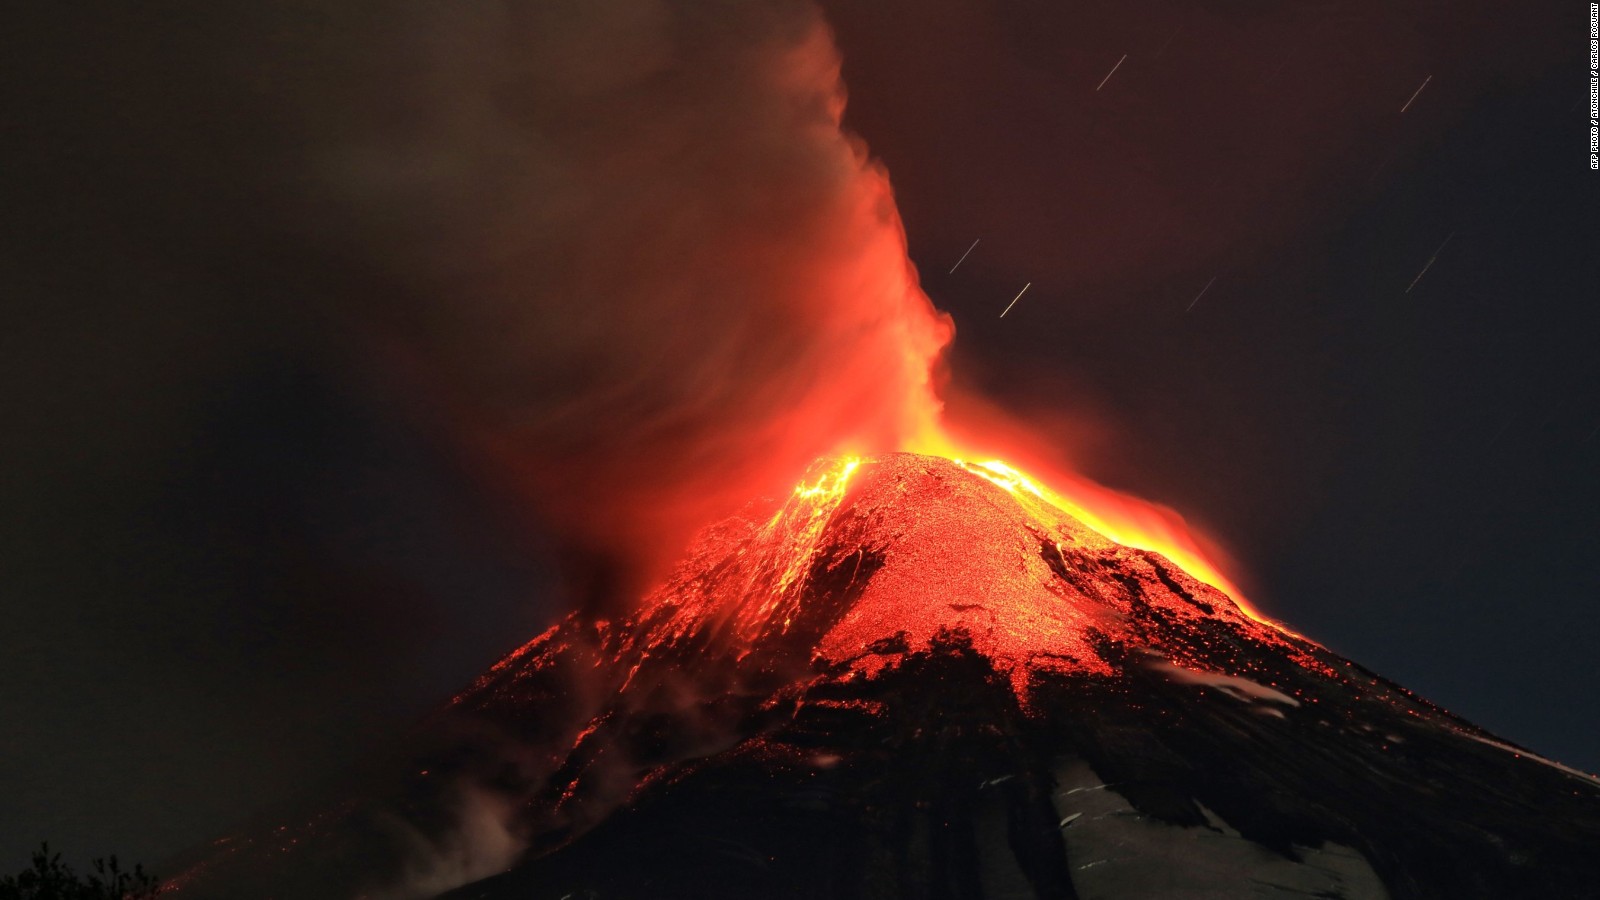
[[48, 878]]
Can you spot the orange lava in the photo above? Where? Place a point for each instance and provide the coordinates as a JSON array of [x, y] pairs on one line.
[[905, 548], [1119, 517]]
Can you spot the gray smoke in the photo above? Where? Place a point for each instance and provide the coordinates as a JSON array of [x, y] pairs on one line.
[[624, 246], [617, 257]]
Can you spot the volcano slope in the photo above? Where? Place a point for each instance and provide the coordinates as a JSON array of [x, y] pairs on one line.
[[922, 678]]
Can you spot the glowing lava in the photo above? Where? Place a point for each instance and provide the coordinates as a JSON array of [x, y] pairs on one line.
[[1118, 517], [1124, 520], [904, 548]]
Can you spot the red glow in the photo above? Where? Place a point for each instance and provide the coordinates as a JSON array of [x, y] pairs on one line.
[[1121, 518], [976, 548], [764, 312]]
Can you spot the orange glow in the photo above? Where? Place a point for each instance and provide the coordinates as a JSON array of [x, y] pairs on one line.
[[801, 522], [1120, 525], [941, 545], [1116, 516]]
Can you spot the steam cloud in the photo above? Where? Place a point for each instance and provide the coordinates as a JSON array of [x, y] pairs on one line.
[[626, 246]]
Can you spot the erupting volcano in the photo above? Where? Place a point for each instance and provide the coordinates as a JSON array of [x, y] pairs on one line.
[[921, 677], [356, 344]]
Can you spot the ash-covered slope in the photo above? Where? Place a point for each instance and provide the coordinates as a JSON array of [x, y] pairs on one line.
[[920, 678]]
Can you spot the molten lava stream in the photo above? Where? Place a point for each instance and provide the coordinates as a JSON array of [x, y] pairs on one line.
[[1118, 517]]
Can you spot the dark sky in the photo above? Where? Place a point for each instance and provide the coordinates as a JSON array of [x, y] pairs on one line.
[[234, 562]]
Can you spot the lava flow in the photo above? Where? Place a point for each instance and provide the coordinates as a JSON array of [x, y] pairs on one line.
[[955, 539], [1122, 519]]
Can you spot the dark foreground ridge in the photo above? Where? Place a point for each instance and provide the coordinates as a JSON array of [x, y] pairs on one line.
[[916, 679]]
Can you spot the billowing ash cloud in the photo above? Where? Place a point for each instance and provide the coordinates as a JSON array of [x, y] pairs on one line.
[[617, 254], [625, 244]]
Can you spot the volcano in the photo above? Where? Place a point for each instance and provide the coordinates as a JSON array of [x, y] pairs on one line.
[[917, 677]]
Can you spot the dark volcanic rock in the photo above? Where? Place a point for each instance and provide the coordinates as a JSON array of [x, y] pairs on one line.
[[917, 679]]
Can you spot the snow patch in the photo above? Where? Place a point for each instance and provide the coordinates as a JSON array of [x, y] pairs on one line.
[[1519, 752], [1242, 689], [1127, 854]]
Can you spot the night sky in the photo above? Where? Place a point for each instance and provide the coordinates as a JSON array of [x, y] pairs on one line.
[[1350, 343]]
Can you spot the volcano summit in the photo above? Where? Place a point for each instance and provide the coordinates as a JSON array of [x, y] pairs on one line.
[[919, 677]]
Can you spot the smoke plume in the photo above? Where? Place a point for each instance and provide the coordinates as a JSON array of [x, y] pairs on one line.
[[279, 268], [625, 247]]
